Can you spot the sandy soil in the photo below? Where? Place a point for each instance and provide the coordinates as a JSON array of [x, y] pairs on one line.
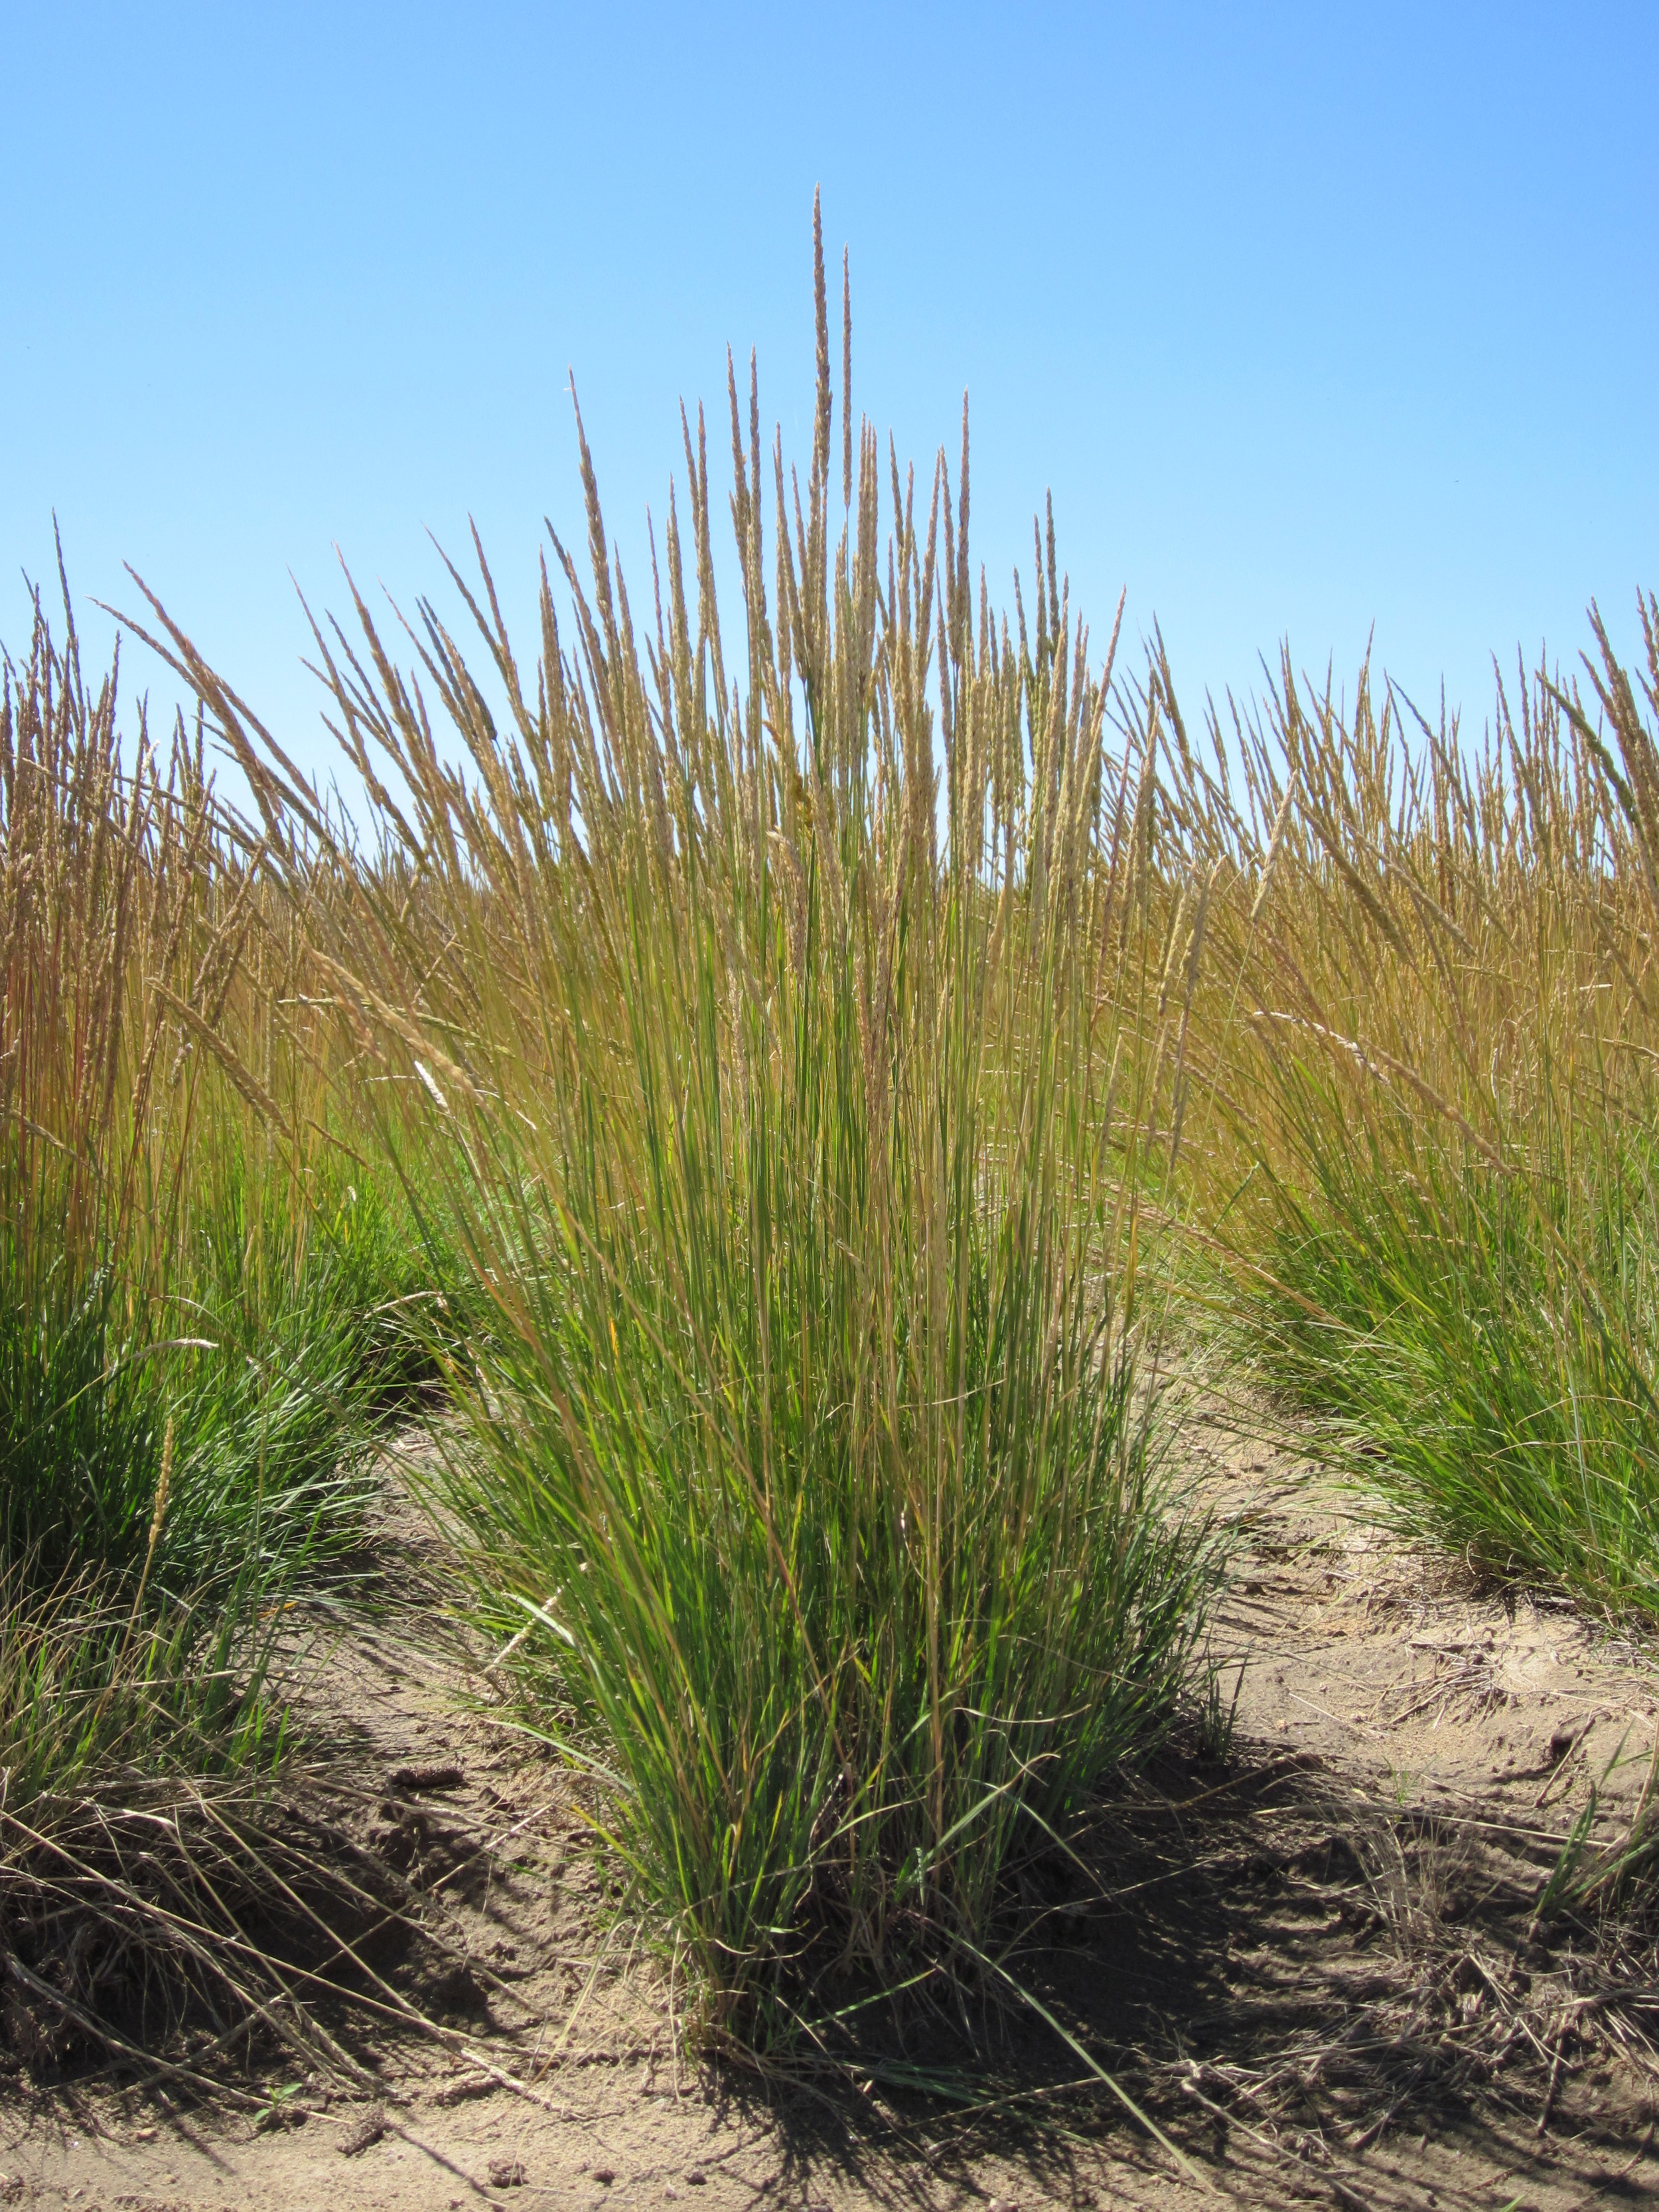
[[1311, 1963]]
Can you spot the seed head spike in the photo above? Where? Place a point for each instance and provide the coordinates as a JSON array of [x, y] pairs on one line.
[[846, 378], [821, 429]]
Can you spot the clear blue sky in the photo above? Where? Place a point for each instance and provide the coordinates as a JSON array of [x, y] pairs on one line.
[[1311, 316]]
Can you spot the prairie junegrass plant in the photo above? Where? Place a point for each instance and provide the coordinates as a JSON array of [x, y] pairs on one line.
[[770, 1009], [170, 1261], [1442, 1113], [199, 1308], [205, 1298]]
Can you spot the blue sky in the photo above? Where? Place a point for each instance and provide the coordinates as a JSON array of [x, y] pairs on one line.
[[1311, 317]]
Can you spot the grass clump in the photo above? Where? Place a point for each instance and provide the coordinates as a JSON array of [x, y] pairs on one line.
[[1506, 1407], [92, 1688], [162, 1269], [271, 1416], [201, 1322], [1445, 1198], [778, 1023]]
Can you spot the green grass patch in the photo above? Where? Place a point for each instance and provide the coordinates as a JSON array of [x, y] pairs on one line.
[[1487, 1340]]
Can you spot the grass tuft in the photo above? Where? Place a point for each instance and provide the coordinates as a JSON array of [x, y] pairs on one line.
[[789, 1022], [1435, 1116]]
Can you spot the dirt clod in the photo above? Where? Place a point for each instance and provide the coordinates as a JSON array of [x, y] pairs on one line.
[[364, 2132], [447, 1776]]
